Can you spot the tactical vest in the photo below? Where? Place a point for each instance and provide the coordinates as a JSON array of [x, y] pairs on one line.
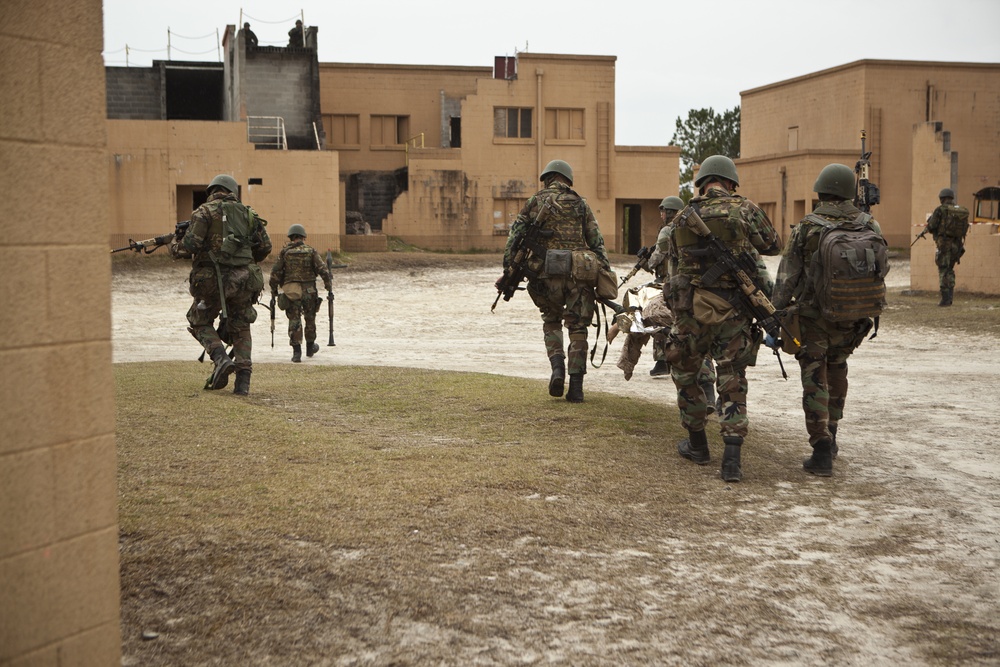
[[234, 225], [299, 264], [724, 218], [566, 221]]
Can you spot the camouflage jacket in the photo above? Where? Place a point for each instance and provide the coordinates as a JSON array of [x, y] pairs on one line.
[[657, 262], [204, 236], [300, 263], [791, 285], [735, 220], [570, 218]]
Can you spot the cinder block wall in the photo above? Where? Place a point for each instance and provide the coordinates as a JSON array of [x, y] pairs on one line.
[[59, 589], [135, 93]]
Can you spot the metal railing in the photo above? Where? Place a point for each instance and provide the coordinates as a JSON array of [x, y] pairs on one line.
[[413, 140], [267, 131]]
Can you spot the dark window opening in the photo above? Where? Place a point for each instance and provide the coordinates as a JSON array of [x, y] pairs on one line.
[[456, 132], [633, 228], [194, 93], [255, 181]]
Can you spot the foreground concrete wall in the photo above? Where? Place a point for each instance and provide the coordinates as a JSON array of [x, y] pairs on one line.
[[155, 168], [59, 590]]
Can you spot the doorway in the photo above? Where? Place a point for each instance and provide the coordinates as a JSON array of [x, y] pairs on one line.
[[632, 228]]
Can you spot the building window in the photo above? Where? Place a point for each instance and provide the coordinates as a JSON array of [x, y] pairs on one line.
[[342, 130], [793, 138], [390, 130], [512, 123], [564, 125]]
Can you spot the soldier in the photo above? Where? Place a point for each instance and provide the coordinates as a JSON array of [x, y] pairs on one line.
[[656, 264], [295, 35], [295, 271], [561, 298], [948, 224], [705, 322], [825, 344], [225, 242], [249, 36]]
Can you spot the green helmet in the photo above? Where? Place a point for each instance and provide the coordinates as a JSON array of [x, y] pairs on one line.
[[947, 192], [224, 181], [558, 167], [836, 179], [671, 204], [296, 230], [717, 165]]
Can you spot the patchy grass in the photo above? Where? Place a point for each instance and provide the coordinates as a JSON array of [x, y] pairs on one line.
[[971, 313]]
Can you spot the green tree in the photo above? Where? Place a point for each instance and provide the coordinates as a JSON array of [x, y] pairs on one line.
[[705, 133]]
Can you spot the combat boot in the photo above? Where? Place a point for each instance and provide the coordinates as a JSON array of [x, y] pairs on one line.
[[242, 385], [946, 296], [296, 353], [821, 462], [660, 368], [833, 440], [695, 447], [558, 380], [575, 393], [709, 389], [311, 348], [731, 470], [224, 367]]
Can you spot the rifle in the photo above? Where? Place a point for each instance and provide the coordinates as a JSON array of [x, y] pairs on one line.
[[151, 245], [272, 307], [329, 296], [868, 193], [643, 255], [752, 297], [526, 244], [921, 235]]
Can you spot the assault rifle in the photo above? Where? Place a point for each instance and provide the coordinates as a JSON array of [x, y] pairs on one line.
[[526, 244], [271, 307], [644, 254], [752, 297], [868, 193], [151, 245], [920, 235], [329, 296]]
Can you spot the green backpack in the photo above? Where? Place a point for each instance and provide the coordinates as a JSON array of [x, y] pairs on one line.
[[955, 222], [238, 227], [848, 269]]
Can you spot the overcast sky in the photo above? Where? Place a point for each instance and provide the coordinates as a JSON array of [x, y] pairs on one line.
[[661, 46]]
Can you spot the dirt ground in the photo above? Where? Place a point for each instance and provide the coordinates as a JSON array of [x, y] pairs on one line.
[[918, 429]]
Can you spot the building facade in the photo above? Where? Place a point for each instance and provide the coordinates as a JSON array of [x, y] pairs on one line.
[[948, 113]]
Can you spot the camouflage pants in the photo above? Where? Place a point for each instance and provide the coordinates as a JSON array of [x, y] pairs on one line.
[[733, 347], [563, 302], [949, 252], [823, 364], [241, 287], [305, 308]]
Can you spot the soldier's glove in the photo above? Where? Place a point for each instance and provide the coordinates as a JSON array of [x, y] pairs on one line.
[[772, 342], [329, 294]]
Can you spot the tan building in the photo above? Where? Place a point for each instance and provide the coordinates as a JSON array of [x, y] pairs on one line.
[[929, 125], [441, 157], [444, 157], [59, 590]]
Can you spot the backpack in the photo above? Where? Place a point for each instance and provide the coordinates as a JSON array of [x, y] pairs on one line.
[[955, 222], [848, 269], [238, 226]]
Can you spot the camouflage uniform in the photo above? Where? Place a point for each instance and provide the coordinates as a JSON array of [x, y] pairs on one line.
[[825, 346], [241, 284], [300, 263], [743, 226], [657, 265], [950, 240], [560, 299]]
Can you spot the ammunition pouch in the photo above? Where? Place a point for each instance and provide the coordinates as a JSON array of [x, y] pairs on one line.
[[585, 267], [558, 262], [292, 291]]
